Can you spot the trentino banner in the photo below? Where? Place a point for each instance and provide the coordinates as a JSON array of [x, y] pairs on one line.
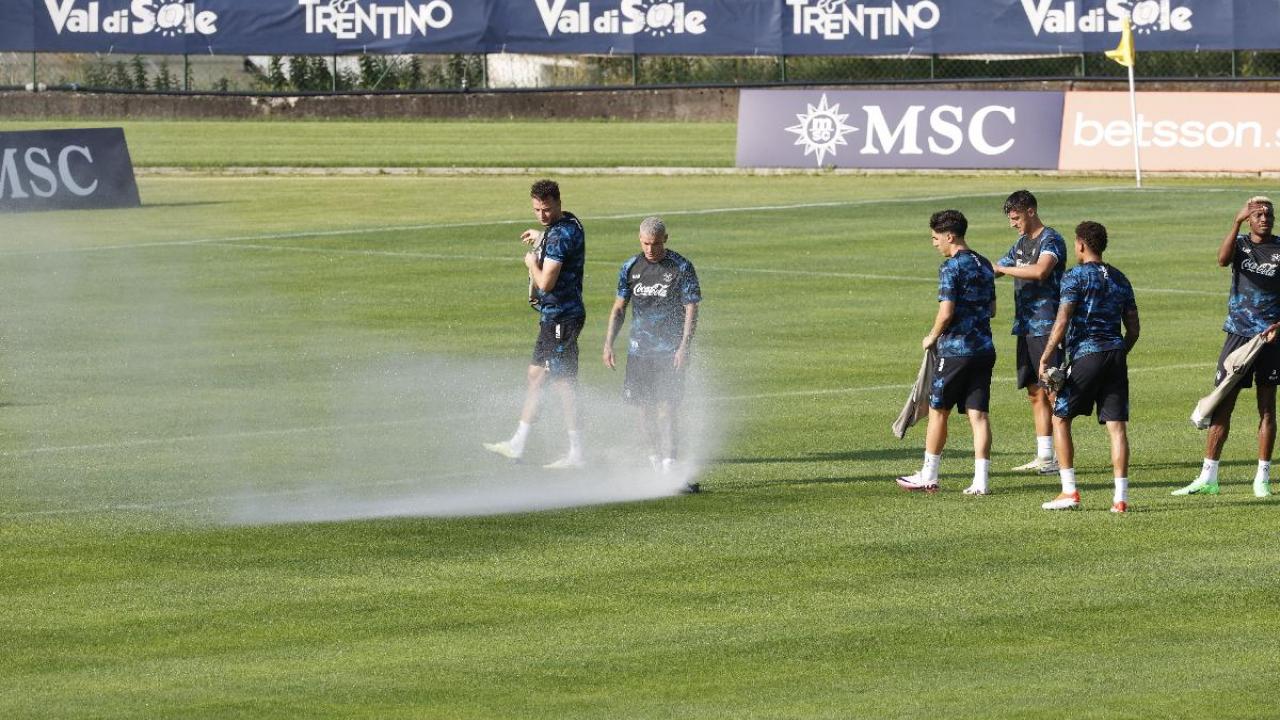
[[651, 27]]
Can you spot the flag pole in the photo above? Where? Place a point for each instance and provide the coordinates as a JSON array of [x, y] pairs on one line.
[[1133, 119]]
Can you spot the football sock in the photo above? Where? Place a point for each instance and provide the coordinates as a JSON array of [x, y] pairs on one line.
[[981, 471], [930, 469], [1210, 470], [1122, 490], [575, 444], [1068, 476], [522, 434], [1264, 471], [1044, 447]]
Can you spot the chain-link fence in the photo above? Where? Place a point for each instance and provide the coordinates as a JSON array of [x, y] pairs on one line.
[[408, 73]]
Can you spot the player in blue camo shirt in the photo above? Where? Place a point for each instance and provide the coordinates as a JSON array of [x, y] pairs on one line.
[[961, 338], [1252, 308], [555, 266], [663, 290], [1097, 300], [1036, 263]]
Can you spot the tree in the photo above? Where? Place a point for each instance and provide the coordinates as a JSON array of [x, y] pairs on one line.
[[139, 79]]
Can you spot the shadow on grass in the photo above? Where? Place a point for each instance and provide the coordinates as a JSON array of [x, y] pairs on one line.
[[881, 454], [184, 204]]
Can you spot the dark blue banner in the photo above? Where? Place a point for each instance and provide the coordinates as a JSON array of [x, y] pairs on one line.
[[66, 169], [650, 27]]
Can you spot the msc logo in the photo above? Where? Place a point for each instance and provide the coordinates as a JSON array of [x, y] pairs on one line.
[[43, 173], [944, 130], [821, 129], [658, 18], [169, 18]]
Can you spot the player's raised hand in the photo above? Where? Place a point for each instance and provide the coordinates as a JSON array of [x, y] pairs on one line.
[[531, 236], [1248, 209]]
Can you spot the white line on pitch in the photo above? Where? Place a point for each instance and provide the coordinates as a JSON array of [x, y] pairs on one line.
[[625, 216], [712, 268]]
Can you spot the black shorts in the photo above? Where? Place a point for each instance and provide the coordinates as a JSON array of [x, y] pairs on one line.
[[1030, 350], [653, 379], [1098, 379], [557, 347], [1266, 366], [963, 382]]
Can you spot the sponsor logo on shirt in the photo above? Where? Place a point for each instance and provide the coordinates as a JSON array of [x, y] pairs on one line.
[[1253, 266], [654, 290]]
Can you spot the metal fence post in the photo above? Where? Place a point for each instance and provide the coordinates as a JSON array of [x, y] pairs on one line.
[[484, 71], [1084, 69], [933, 70], [333, 75], [1233, 63], [783, 58], [34, 79], [186, 72]]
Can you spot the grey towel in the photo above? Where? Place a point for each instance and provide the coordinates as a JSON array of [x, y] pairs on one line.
[[917, 405], [1235, 366], [540, 248]]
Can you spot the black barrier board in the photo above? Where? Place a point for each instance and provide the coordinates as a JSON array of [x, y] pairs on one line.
[[84, 169]]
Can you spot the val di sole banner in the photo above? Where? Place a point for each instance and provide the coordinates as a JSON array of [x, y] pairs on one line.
[[66, 170], [684, 27]]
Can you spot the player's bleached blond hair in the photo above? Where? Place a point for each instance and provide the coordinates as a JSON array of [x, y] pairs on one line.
[[653, 227], [1261, 199]]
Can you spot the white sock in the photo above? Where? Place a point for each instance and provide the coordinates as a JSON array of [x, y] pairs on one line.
[[1068, 476], [1210, 470], [981, 471], [930, 469], [1264, 471], [575, 445], [522, 434], [1044, 447], [1122, 490]]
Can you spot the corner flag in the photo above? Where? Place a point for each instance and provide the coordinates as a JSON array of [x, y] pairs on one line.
[[1123, 53]]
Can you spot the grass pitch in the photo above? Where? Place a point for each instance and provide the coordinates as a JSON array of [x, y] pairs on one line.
[[206, 345]]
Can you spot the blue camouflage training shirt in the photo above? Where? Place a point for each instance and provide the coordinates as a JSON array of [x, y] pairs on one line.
[[1035, 303], [566, 243], [1102, 296], [1254, 302], [658, 293], [968, 281]]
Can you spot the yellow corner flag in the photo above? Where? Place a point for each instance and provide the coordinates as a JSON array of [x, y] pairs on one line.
[[1123, 53]]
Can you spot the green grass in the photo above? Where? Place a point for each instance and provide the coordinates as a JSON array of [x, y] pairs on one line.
[[148, 372], [343, 143]]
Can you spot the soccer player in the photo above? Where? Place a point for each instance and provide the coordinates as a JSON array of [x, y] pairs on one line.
[[1096, 300], [1035, 262], [1252, 307], [961, 335], [662, 289], [555, 268]]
